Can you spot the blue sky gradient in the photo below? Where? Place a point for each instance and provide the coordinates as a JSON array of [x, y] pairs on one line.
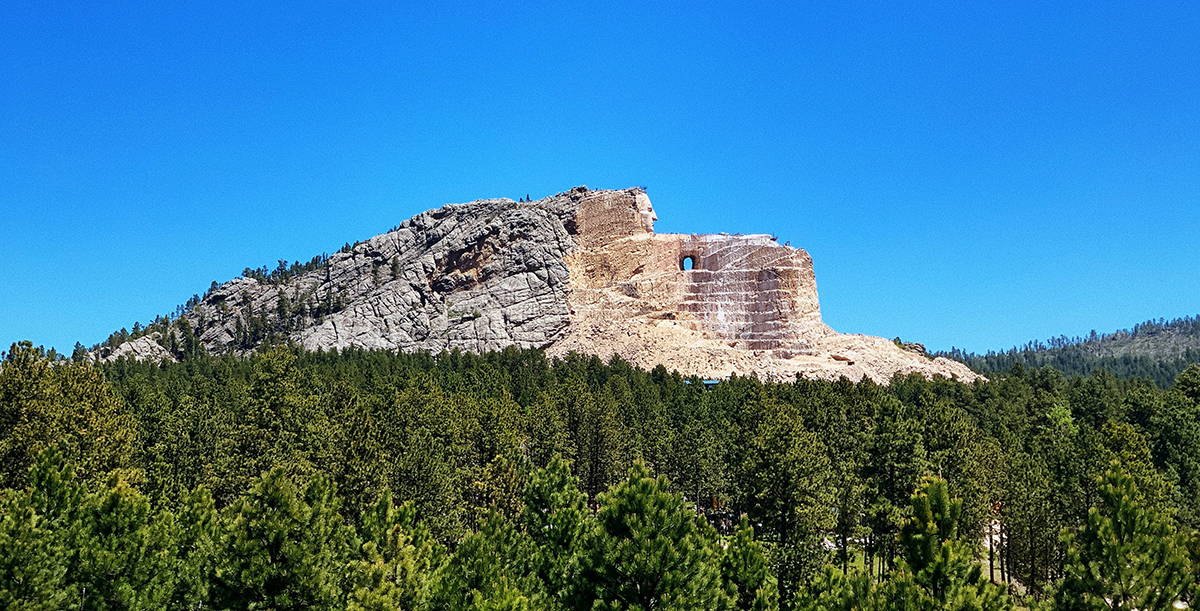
[[970, 176]]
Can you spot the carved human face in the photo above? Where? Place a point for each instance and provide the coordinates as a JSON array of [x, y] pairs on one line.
[[646, 213]]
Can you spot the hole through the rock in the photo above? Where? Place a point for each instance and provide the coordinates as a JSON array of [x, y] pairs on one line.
[[687, 263]]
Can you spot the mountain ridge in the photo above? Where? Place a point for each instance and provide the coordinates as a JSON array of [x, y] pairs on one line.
[[1156, 349], [580, 271]]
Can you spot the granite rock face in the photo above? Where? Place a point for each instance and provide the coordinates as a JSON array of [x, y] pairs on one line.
[[476, 277], [580, 271], [144, 348]]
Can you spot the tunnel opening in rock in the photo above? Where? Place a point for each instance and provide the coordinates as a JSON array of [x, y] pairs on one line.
[[687, 263]]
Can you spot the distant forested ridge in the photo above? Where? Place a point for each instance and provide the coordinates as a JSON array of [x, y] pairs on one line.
[[1156, 349], [286, 479]]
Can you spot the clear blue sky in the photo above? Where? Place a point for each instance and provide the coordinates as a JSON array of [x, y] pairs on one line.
[[971, 176]]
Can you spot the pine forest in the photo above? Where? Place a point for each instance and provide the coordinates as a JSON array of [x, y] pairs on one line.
[[372, 480]]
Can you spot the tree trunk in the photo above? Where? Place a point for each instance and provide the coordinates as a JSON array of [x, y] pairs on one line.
[[1003, 554], [991, 552]]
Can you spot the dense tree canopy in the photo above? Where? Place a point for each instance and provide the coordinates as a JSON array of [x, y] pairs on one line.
[[374, 480], [1156, 350]]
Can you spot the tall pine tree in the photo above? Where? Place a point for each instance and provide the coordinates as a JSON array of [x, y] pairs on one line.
[[1125, 557]]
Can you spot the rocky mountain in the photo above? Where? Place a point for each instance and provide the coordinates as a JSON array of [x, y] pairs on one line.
[[580, 271]]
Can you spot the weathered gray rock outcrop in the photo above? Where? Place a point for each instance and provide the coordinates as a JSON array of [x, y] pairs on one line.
[[477, 277], [581, 271], [144, 348]]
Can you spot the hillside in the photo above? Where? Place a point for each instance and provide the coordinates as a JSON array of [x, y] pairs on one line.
[[581, 271], [1155, 349]]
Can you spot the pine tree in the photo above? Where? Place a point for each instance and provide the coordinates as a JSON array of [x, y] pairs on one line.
[[32, 562], [491, 569], [547, 434], [1125, 557], [938, 571], [787, 487], [279, 429], [38, 530], [499, 485], [1188, 382], [942, 567], [197, 536], [79, 354], [69, 406], [596, 433], [555, 517], [745, 570], [833, 590], [125, 557], [356, 458], [893, 468], [427, 433], [282, 550], [649, 551], [398, 561]]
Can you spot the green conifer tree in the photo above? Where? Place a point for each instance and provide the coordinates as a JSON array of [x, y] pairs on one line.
[[491, 569], [649, 551], [69, 406], [556, 517], [398, 562], [942, 567], [787, 487], [745, 569], [197, 534], [833, 590], [283, 550], [38, 528], [1188, 382], [1125, 557], [938, 571], [125, 557]]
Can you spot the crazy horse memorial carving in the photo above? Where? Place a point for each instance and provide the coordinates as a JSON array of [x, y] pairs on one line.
[[580, 271]]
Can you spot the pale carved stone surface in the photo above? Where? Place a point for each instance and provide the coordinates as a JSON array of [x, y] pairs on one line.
[[748, 305], [581, 271]]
